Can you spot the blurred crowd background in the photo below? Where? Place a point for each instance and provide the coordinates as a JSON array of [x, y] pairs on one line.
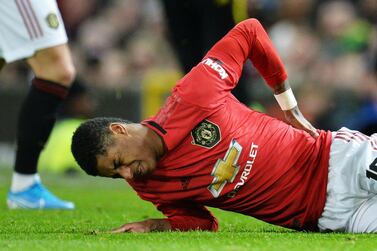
[[129, 53]]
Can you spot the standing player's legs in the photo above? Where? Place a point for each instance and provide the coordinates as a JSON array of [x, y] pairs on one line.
[[217, 19], [195, 26], [184, 23], [34, 30], [54, 73]]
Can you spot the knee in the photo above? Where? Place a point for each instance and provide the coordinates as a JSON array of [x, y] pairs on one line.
[[60, 73], [65, 75], [55, 66]]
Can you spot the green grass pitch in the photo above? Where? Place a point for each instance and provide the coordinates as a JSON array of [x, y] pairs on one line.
[[103, 204]]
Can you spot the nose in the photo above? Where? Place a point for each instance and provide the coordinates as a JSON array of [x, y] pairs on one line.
[[125, 172]]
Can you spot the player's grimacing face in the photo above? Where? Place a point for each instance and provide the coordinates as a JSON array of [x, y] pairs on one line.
[[126, 158]]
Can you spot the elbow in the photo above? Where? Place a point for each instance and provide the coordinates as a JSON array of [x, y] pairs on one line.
[[251, 22], [250, 26]]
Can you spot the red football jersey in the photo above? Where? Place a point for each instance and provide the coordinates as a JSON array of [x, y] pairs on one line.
[[224, 155]]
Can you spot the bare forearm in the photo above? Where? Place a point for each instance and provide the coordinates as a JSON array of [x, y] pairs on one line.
[[282, 87]]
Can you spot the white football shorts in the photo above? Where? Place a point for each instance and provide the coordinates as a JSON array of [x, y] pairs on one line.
[[351, 204], [27, 26]]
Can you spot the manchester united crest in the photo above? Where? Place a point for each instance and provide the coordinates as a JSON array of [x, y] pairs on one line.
[[52, 20], [206, 134]]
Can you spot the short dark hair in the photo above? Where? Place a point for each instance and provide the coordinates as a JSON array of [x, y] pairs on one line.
[[90, 139]]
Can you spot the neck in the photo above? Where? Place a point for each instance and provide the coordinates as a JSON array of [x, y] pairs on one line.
[[159, 145], [154, 141]]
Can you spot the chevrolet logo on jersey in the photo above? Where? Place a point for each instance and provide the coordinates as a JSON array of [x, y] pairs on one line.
[[206, 134], [52, 20], [225, 170]]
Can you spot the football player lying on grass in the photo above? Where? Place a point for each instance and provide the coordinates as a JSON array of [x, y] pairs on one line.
[[205, 148]]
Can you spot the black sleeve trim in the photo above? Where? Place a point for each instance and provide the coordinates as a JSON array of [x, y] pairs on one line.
[[157, 126]]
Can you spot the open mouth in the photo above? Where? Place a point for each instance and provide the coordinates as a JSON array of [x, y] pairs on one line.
[[139, 171]]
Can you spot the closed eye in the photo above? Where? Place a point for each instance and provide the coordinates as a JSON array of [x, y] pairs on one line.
[[116, 164]]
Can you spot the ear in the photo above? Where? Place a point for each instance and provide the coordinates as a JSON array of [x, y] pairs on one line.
[[118, 128]]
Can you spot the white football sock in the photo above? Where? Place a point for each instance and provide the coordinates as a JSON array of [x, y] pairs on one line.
[[21, 182]]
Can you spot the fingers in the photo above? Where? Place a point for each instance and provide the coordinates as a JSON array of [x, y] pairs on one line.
[[122, 229], [309, 128], [135, 227], [296, 119], [313, 132], [303, 124]]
